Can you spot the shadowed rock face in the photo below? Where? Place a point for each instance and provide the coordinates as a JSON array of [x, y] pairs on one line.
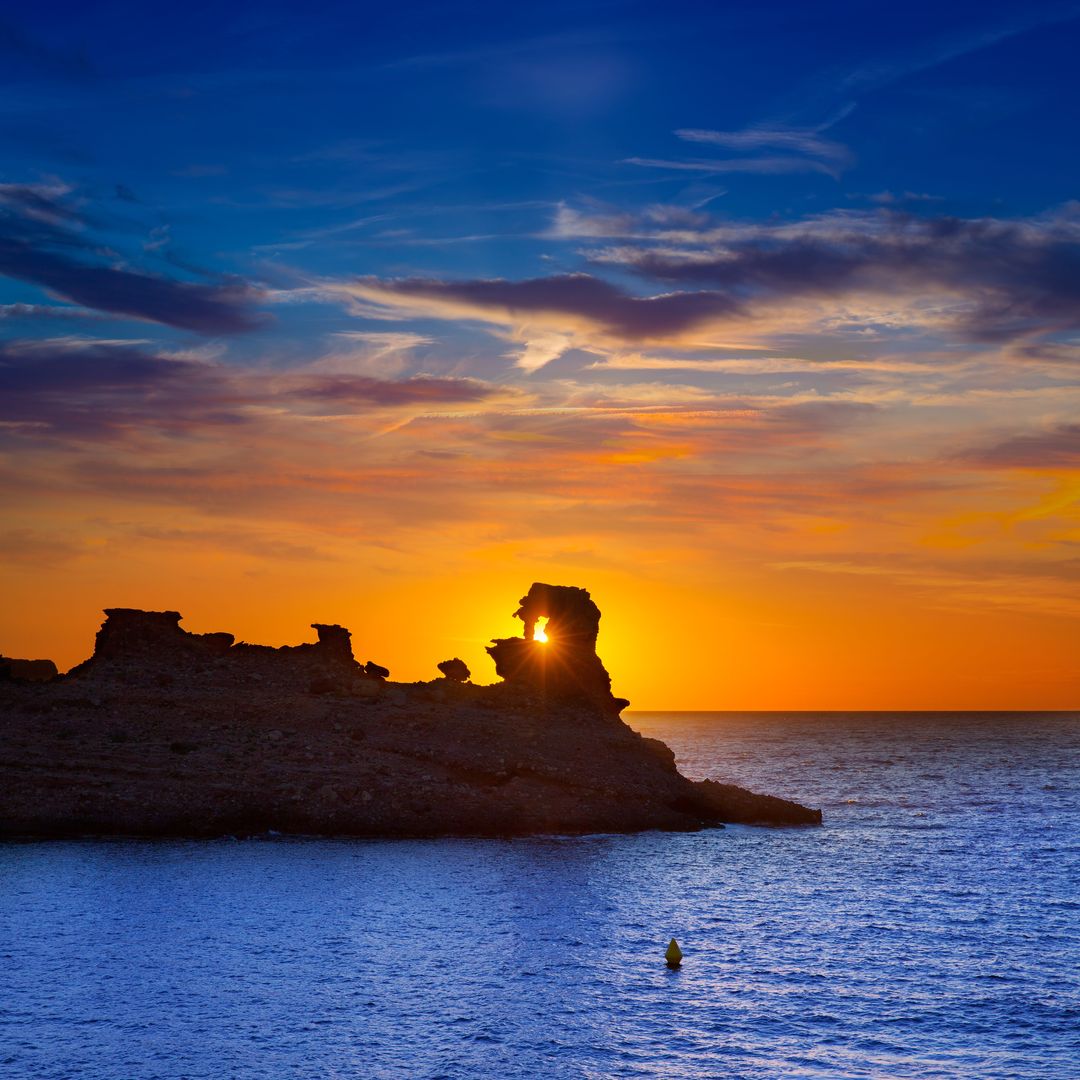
[[566, 666], [167, 733], [27, 670]]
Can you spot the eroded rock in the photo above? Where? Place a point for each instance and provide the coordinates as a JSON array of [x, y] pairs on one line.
[[565, 666], [456, 670]]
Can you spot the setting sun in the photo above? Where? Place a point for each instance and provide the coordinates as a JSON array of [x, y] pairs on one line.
[[540, 635]]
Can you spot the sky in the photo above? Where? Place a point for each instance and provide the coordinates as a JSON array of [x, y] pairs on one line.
[[761, 322]]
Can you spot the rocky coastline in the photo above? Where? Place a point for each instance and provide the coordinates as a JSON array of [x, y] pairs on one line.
[[165, 733]]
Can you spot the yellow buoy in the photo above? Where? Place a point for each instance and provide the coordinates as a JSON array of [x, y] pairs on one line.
[[673, 956]]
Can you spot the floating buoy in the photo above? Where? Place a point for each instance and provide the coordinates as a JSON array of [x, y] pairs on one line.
[[673, 956]]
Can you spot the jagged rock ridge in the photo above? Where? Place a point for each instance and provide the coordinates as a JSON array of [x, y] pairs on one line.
[[164, 733]]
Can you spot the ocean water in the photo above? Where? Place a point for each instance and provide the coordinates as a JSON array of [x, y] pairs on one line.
[[931, 928]]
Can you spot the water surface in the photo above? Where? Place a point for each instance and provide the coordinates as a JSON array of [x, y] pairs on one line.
[[929, 929]]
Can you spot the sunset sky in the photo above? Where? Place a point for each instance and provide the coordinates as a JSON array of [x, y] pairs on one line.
[[761, 322]]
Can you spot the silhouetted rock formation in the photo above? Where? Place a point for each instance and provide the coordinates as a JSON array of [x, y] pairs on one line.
[[128, 632], [27, 670], [152, 639], [167, 733], [566, 666], [455, 670], [334, 642]]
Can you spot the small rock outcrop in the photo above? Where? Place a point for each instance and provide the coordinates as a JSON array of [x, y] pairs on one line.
[[27, 670], [455, 670], [129, 632], [163, 732], [335, 642], [565, 666], [737, 806]]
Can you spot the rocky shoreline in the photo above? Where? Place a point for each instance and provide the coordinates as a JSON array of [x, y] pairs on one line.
[[162, 733]]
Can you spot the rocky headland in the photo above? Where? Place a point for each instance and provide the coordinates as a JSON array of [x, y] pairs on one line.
[[168, 733]]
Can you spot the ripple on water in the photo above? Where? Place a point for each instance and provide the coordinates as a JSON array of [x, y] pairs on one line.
[[928, 930]]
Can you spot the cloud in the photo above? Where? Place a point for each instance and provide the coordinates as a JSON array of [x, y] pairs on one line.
[[419, 390], [750, 365], [1057, 447], [775, 165], [802, 149], [1011, 277], [560, 302], [46, 311], [90, 389], [380, 354], [797, 140], [42, 202], [927, 55], [36, 548], [863, 275], [97, 389], [893, 198], [225, 308], [40, 236]]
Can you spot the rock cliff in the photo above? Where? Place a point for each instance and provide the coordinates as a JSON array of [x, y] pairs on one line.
[[168, 733]]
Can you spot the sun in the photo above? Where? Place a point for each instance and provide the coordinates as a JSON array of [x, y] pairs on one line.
[[540, 635]]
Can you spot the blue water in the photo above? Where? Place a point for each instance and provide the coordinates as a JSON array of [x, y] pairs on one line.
[[931, 928]]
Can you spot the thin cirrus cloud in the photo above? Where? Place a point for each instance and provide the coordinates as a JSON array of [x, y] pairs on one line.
[[106, 389], [797, 140], [43, 243], [773, 164], [795, 150]]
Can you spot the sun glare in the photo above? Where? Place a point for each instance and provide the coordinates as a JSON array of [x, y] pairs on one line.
[[540, 635]]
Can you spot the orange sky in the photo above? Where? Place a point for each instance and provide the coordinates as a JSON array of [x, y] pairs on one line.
[[751, 555], [764, 330]]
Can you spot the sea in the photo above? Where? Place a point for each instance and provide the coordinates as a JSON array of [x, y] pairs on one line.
[[930, 928]]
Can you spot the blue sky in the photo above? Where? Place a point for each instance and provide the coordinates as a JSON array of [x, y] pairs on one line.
[[273, 142], [775, 304]]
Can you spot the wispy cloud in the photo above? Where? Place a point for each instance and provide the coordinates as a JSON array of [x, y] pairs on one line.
[[42, 243], [72, 388], [878, 73], [807, 141], [46, 311], [802, 149], [718, 166]]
